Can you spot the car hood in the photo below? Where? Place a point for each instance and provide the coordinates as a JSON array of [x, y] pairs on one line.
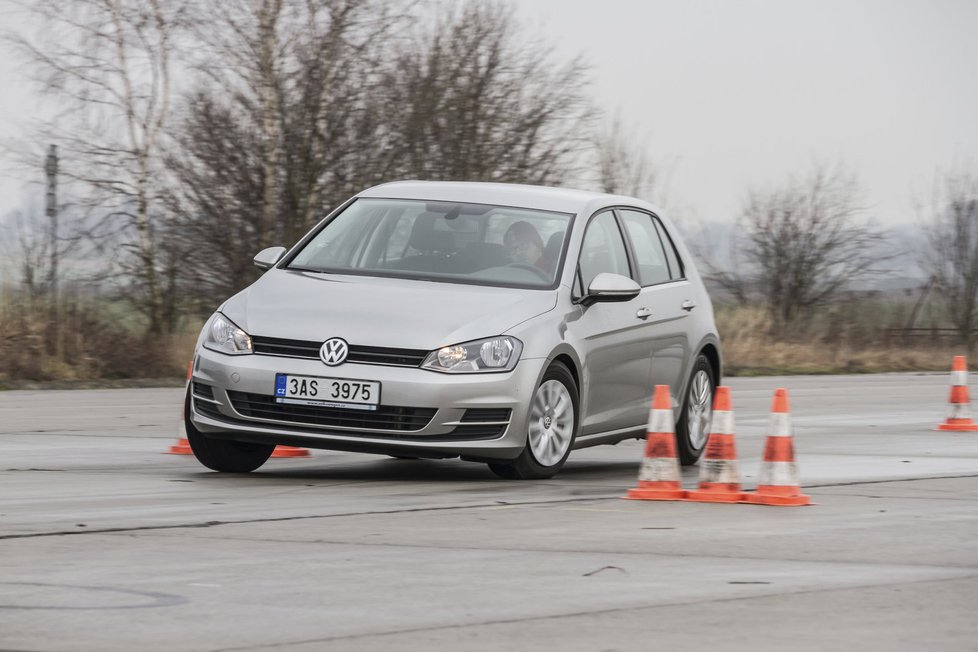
[[371, 311]]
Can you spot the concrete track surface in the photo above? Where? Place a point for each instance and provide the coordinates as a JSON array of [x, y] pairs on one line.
[[108, 544]]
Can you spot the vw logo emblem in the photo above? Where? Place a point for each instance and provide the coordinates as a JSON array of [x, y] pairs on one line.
[[334, 351]]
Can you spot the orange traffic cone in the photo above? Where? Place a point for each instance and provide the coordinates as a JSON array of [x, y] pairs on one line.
[[290, 451], [659, 477], [182, 447], [779, 475], [719, 477], [959, 404]]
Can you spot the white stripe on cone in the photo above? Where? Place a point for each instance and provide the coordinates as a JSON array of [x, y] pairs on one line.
[[959, 377], [779, 474], [719, 471], [780, 425], [660, 421], [723, 422], [958, 411], [659, 469]]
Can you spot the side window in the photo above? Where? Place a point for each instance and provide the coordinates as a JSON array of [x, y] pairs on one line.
[[653, 267], [603, 250], [676, 269]]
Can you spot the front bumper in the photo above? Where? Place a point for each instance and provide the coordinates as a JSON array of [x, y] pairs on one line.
[[222, 414]]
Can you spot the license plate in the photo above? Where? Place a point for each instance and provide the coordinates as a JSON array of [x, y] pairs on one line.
[[327, 392]]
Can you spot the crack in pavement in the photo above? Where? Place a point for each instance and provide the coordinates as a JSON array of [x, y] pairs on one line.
[[408, 510], [279, 519], [574, 551]]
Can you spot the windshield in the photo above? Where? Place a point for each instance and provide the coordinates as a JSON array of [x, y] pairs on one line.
[[440, 241]]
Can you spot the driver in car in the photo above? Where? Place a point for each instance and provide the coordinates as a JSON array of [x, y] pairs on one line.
[[525, 246]]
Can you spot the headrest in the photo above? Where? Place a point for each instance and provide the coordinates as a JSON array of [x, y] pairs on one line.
[[425, 238], [552, 250]]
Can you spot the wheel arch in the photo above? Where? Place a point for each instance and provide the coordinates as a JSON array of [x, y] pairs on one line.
[[712, 353], [571, 365]]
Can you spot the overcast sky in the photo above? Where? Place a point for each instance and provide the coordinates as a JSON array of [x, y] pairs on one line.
[[731, 95], [726, 95]]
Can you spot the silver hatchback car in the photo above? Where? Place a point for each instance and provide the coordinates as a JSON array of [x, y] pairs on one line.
[[498, 323]]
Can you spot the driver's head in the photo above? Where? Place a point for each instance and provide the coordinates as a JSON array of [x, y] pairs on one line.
[[523, 243]]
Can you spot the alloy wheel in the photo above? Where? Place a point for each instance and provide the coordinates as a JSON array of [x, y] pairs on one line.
[[699, 409], [551, 423]]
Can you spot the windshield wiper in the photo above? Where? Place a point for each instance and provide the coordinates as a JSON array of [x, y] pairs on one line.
[[300, 268]]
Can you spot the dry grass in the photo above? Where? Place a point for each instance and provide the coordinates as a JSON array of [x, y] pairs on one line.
[[82, 340], [825, 345], [95, 342]]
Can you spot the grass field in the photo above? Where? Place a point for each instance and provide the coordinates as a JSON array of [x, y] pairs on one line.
[[823, 345]]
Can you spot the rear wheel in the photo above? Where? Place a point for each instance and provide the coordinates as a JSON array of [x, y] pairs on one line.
[[225, 455], [551, 428], [694, 423]]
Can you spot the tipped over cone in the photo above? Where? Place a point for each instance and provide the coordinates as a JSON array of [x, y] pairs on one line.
[[659, 477], [719, 476], [290, 451], [959, 402], [779, 474], [182, 447]]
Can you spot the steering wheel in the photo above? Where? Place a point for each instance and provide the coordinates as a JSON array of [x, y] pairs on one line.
[[532, 268]]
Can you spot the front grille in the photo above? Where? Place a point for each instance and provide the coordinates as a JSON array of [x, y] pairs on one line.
[[286, 348], [385, 417], [380, 355], [358, 354]]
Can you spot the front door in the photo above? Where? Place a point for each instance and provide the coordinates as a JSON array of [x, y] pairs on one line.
[[615, 339]]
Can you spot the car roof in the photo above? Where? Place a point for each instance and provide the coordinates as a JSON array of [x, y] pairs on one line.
[[564, 200]]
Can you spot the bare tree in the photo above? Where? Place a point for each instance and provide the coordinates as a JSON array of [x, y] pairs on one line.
[[26, 242], [473, 97], [951, 254], [277, 129], [109, 62], [359, 98], [802, 244]]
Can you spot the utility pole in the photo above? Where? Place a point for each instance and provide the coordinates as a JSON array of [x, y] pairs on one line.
[[51, 170]]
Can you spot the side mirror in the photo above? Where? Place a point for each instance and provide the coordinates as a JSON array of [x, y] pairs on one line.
[[267, 258], [611, 287]]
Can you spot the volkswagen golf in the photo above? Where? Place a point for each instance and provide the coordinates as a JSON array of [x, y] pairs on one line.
[[503, 324]]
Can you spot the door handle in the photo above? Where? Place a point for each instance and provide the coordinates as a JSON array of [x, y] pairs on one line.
[[688, 305], [643, 313]]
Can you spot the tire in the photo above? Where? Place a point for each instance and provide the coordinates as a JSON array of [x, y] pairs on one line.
[[225, 455], [551, 429], [693, 426]]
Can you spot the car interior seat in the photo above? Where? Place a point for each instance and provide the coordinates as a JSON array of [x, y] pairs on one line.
[[552, 250], [434, 246]]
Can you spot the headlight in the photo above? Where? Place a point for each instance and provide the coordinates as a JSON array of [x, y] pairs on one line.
[[481, 356], [221, 334]]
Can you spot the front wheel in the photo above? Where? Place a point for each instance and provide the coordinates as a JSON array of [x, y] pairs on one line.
[[224, 455], [694, 423], [551, 427]]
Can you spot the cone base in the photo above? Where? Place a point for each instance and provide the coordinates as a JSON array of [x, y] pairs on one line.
[[290, 451], [959, 427], [754, 498], [639, 493], [713, 496], [182, 447]]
